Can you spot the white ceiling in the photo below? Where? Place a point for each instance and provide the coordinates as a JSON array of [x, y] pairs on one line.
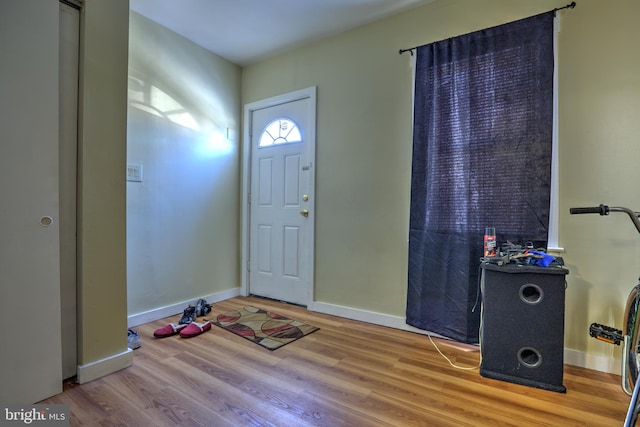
[[246, 31]]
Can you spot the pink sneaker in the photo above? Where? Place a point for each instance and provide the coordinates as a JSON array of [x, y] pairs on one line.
[[195, 329], [169, 330]]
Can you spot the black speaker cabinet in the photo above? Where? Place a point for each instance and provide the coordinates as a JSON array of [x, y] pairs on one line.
[[522, 325]]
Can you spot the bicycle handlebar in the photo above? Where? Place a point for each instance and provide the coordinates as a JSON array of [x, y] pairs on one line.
[[603, 210]]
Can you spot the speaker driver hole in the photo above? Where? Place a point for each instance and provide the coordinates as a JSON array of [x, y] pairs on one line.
[[529, 357], [531, 294]]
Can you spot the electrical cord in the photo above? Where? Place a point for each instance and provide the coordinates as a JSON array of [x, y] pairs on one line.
[[509, 252], [469, 368], [464, 368]]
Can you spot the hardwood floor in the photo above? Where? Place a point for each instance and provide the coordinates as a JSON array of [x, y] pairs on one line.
[[348, 373]]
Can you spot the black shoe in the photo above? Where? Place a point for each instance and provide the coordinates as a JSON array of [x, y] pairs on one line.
[[202, 307], [188, 316]]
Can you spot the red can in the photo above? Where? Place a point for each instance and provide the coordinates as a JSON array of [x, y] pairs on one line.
[[490, 244]]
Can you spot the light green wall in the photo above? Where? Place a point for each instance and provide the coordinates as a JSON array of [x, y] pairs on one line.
[[102, 286], [364, 149], [183, 219], [599, 153]]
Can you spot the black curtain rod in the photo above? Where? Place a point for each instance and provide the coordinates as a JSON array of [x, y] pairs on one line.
[[569, 6]]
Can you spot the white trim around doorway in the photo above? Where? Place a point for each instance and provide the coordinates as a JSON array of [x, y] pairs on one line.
[[249, 108]]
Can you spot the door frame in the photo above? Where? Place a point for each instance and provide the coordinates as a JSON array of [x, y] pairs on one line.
[[310, 93], [68, 146]]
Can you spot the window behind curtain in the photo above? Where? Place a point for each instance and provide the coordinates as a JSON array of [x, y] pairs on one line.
[[482, 144]]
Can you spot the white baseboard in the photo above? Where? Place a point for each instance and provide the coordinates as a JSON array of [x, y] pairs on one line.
[[177, 308], [388, 320], [100, 368], [592, 361], [571, 357]]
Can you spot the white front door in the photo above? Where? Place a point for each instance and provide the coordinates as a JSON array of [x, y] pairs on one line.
[[281, 200]]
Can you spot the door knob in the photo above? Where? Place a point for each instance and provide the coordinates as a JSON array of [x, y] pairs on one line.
[[46, 221], [304, 212]]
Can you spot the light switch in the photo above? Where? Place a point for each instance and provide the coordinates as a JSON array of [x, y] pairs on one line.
[[134, 173]]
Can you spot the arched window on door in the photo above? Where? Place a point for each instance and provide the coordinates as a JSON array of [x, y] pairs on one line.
[[280, 131]]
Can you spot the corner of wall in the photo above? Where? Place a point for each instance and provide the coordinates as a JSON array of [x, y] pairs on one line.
[[100, 368], [102, 286]]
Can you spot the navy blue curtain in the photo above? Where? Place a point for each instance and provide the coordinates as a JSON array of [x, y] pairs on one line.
[[482, 142]]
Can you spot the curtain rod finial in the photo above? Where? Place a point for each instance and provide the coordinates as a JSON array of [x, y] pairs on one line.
[[569, 6]]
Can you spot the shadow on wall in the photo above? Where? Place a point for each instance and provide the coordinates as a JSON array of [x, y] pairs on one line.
[[607, 312], [182, 215], [152, 99], [182, 131]]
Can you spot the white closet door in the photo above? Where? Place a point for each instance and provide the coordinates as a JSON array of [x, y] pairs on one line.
[[30, 353]]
